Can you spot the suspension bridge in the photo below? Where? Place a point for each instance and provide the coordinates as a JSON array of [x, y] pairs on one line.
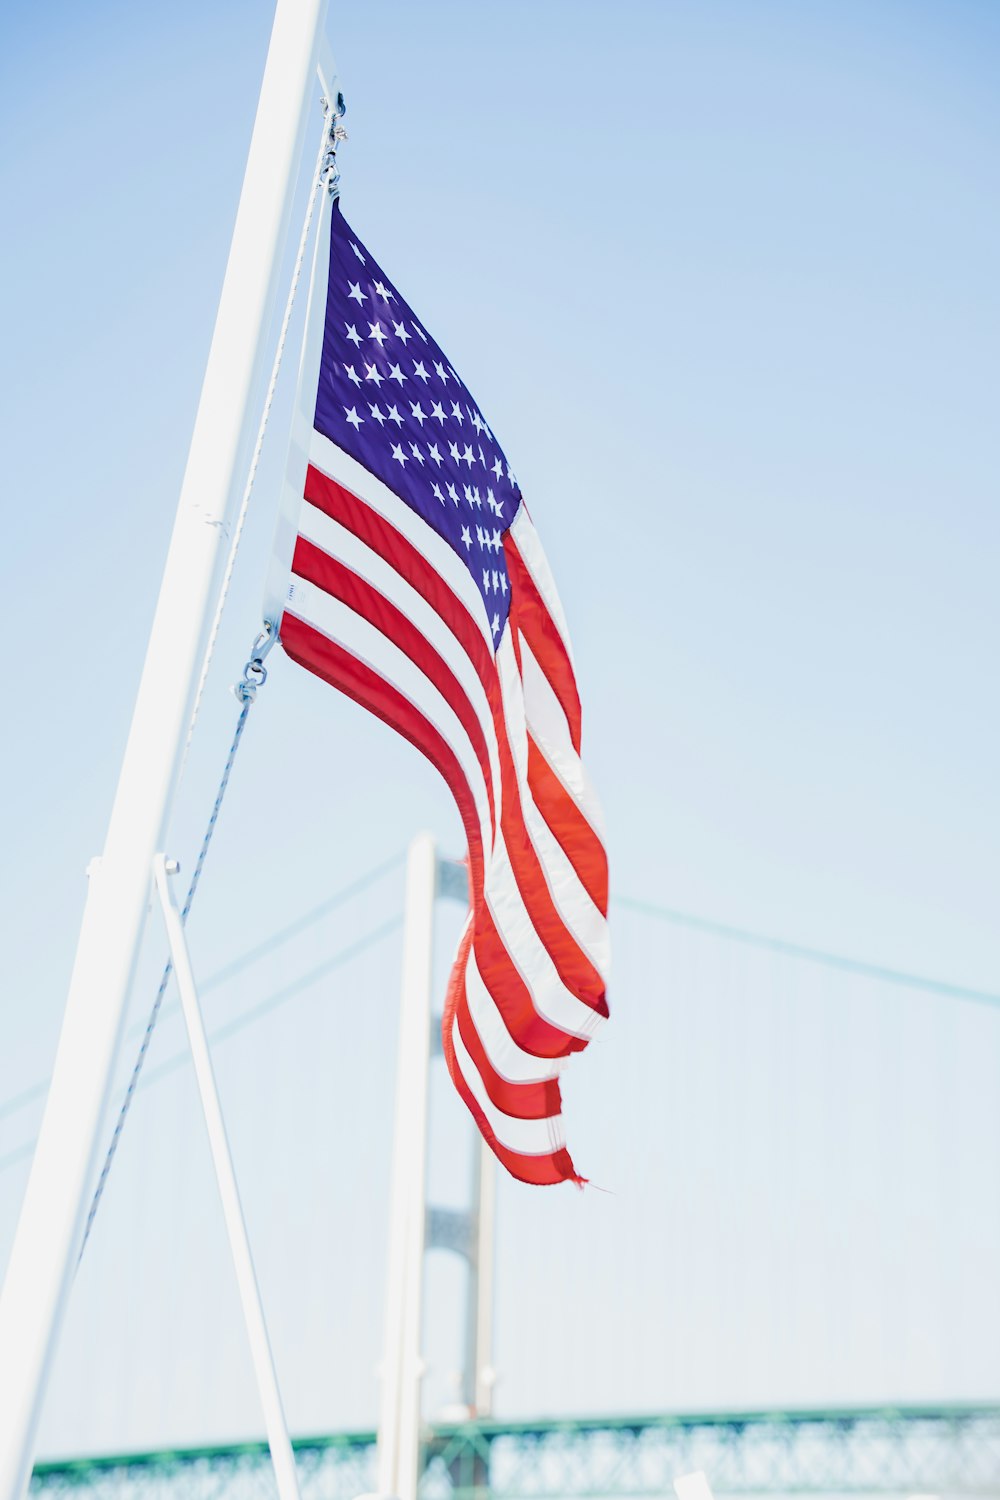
[[899, 1449]]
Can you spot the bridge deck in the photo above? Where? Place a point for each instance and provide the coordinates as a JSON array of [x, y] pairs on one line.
[[904, 1450]]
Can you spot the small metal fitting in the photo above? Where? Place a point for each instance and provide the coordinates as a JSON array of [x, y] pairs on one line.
[[254, 672], [328, 171]]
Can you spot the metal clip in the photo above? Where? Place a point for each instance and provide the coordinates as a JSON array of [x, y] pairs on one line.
[[255, 672], [328, 171]]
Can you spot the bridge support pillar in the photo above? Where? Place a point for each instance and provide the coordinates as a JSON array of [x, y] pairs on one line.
[[414, 1226]]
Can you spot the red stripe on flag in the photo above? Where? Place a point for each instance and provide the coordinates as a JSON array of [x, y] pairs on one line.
[[529, 615], [525, 1101], [315, 651], [383, 538], [577, 839], [538, 1171], [513, 999], [572, 965], [335, 578]]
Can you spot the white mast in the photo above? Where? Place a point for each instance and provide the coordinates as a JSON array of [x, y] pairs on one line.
[[51, 1223]]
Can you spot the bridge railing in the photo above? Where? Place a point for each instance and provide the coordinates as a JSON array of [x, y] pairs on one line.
[[952, 1450]]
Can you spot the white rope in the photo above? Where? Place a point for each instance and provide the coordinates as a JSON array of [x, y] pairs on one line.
[[234, 546]]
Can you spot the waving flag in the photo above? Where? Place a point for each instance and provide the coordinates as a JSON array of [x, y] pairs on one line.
[[419, 588]]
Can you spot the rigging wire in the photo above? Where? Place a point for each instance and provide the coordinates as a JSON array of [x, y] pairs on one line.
[[27, 1096], [303, 923], [329, 126], [799, 950], [280, 997]]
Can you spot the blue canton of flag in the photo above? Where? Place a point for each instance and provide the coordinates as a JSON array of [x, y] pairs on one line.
[[388, 396]]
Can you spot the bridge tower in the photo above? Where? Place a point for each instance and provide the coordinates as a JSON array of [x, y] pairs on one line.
[[415, 1226]]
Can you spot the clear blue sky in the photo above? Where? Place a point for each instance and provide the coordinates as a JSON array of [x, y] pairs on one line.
[[743, 256]]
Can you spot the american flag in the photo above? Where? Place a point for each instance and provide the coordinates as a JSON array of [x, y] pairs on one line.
[[419, 588]]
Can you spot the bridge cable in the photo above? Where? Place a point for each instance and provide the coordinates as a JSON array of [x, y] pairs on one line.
[[246, 1018], [228, 971], [798, 950]]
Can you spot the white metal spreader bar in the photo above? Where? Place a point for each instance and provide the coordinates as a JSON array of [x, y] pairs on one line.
[[225, 1175]]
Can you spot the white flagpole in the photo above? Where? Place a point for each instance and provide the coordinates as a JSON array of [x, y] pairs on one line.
[[51, 1223]]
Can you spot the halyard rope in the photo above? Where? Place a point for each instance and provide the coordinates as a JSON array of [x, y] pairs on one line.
[[254, 673], [319, 172]]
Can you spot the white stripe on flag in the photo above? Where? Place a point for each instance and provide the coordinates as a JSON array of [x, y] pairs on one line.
[[579, 915], [528, 954], [513, 1064], [339, 465], [529, 1137], [340, 623], [547, 722], [537, 564], [337, 541]]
